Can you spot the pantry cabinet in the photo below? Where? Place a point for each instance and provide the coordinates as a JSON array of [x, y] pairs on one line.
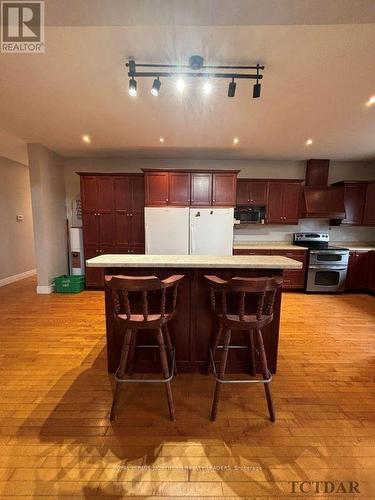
[[113, 217]]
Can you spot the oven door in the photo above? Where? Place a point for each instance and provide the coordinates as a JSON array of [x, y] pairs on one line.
[[326, 279]]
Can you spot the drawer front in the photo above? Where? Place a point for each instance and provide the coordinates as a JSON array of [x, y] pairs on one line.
[[244, 251]]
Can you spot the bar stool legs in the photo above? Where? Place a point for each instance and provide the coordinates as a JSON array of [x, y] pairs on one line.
[[252, 353], [223, 364], [120, 372], [214, 347], [168, 341], [165, 369], [265, 372]]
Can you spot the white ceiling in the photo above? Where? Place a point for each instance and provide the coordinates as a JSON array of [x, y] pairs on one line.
[[316, 82]]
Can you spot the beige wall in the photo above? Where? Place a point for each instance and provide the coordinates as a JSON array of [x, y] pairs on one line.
[[16, 238], [49, 214]]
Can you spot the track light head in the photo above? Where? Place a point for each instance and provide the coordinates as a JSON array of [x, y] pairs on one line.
[[132, 87], [232, 88], [256, 90], [156, 87]]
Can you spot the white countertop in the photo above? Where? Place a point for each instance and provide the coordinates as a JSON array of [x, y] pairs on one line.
[[195, 261], [267, 245]]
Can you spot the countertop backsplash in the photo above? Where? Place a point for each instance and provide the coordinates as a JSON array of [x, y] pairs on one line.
[[269, 232]]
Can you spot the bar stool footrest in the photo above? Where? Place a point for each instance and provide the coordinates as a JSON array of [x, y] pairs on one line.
[[152, 380], [236, 381]]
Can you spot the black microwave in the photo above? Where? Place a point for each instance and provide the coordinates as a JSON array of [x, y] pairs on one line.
[[250, 215]]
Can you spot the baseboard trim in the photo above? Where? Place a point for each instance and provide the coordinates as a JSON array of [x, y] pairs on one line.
[[45, 289], [17, 277]]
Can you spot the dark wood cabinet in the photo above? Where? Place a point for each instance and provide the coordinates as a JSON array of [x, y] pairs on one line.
[[354, 201], [157, 188], [224, 189], [369, 209], [114, 219], [283, 202], [201, 189], [357, 277], [252, 192], [190, 188], [179, 189]]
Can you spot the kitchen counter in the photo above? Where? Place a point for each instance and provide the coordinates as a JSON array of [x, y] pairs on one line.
[[193, 326], [195, 261], [271, 245], [355, 246]]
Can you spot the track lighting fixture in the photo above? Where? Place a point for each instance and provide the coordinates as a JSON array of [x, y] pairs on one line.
[[232, 88], [156, 87], [256, 90], [195, 69], [132, 87]]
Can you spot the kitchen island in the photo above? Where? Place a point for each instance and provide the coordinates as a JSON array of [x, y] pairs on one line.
[[193, 326]]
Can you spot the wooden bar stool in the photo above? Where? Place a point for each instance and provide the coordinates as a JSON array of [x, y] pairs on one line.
[[130, 294], [249, 308]]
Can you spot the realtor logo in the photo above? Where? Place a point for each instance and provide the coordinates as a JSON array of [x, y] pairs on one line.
[[22, 27]]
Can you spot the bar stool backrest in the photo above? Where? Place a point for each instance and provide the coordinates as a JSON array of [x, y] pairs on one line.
[[126, 291], [261, 290]]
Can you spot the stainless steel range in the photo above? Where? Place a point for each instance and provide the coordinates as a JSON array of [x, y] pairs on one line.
[[327, 265]]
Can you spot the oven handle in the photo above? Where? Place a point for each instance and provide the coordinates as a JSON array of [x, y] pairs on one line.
[[329, 268]]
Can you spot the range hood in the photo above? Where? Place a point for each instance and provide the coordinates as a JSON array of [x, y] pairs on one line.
[[319, 199]]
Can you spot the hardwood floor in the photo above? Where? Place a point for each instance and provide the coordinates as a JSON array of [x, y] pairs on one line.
[[56, 439]]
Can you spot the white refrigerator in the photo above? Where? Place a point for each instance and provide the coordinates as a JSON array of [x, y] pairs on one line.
[[184, 231]]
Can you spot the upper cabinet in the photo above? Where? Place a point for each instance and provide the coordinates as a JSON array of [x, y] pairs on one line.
[[359, 199], [224, 189], [157, 188], [179, 189], [201, 189], [284, 202], [369, 210], [252, 192], [190, 188]]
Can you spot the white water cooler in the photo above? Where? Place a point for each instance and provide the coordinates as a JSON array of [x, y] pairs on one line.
[[77, 259]]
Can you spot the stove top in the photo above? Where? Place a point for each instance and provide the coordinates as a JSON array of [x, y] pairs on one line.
[[315, 241]]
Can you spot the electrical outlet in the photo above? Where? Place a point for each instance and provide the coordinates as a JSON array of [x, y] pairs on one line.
[[19, 218]]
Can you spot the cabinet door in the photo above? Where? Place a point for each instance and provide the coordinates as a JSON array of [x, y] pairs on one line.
[[357, 277], [275, 207], [250, 251], [369, 212], [93, 275], [105, 193], [224, 189], [90, 228], [201, 189], [371, 275], [354, 198], [292, 193], [242, 195], [257, 191], [179, 189], [156, 189], [89, 193], [137, 218], [122, 202], [106, 228]]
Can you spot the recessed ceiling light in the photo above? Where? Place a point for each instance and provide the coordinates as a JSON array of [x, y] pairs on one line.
[[309, 142], [207, 87], [86, 138], [161, 139], [236, 140], [371, 101], [180, 84]]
